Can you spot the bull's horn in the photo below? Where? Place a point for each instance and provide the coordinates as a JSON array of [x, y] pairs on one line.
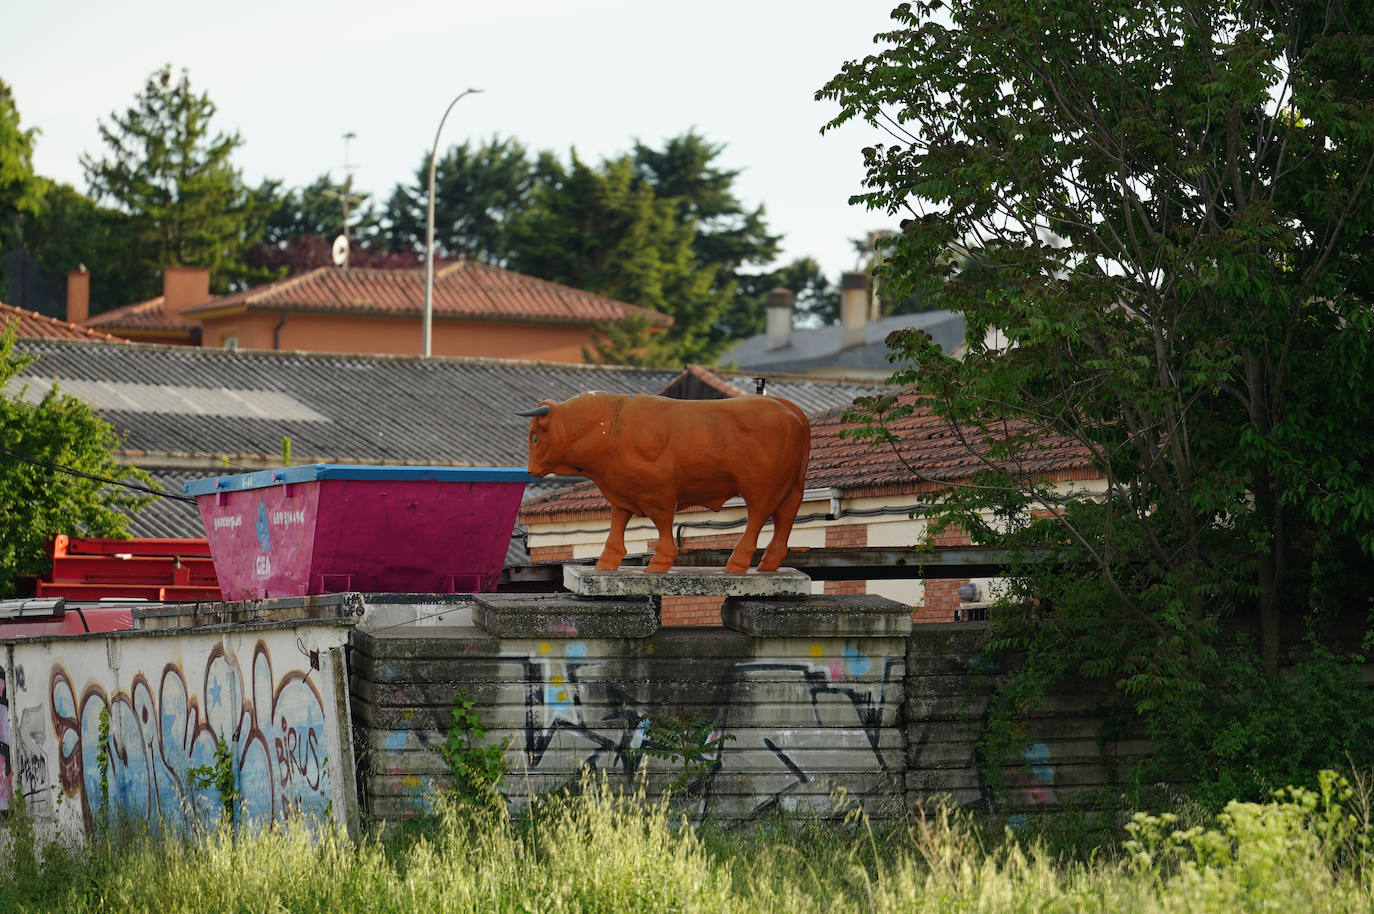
[[537, 411]]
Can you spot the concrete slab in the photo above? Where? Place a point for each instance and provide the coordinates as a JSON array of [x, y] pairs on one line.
[[835, 615], [684, 582], [522, 615]]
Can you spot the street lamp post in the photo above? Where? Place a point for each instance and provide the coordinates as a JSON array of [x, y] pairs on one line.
[[429, 230]]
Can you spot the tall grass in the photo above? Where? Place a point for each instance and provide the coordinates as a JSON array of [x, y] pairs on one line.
[[597, 851]]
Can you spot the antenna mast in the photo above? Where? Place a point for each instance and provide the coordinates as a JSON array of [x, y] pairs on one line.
[[342, 243]]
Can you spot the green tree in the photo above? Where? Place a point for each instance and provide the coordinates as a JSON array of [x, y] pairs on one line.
[[37, 501], [316, 209], [478, 191], [726, 235], [1167, 211], [68, 230], [183, 201], [601, 230], [19, 189], [301, 224], [671, 233]]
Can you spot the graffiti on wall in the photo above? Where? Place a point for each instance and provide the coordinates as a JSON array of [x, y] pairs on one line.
[[165, 723], [31, 763], [576, 716], [1036, 781], [838, 698]]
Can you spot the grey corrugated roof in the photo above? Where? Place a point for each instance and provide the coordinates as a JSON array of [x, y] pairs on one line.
[[821, 347], [370, 408], [168, 516], [354, 408]]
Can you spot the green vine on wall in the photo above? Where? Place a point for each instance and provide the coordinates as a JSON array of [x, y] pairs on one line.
[[102, 761], [219, 774], [691, 741], [477, 770]]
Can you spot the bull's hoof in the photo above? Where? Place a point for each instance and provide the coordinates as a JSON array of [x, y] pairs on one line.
[[770, 564], [605, 564], [658, 566], [736, 567]]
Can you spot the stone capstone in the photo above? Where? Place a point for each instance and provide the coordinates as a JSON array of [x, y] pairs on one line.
[[685, 582], [564, 616], [841, 615]]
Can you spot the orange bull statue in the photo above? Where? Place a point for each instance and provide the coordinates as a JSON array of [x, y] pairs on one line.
[[653, 456]]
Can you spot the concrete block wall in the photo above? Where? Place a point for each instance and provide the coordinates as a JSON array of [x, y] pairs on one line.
[[801, 717], [948, 686], [892, 718], [811, 696]]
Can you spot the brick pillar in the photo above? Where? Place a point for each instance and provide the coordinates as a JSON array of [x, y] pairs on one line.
[[941, 600], [690, 611], [846, 536], [942, 596]]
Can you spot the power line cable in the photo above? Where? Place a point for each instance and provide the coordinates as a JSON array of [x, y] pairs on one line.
[[60, 468]]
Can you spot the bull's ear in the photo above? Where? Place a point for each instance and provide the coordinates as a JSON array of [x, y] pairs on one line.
[[542, 422]]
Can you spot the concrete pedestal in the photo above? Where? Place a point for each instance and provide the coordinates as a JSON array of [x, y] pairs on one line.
[[838, 615], [519, 615], [684, 582]]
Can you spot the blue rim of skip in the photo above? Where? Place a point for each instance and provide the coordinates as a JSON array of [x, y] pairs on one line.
[[318, 471]]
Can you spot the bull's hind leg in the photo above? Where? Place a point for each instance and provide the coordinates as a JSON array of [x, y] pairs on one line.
[[615, 542], [666, 550], [783, 517], [748, 542]]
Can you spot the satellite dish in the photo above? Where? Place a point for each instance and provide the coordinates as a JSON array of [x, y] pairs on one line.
[[340, 251]]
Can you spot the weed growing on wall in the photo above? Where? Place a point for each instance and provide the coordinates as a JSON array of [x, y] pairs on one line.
[[690, 741], [102, 761], [1237, 734], [1255, 734], [477, 770], [219, 774]]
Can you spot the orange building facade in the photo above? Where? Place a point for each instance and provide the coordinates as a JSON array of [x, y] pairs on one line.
[[398, 335], [478, 310]]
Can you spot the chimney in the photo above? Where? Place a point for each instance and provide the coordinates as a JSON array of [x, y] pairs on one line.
[[780, 305], [183, 287], [854, 308], [78, 295]]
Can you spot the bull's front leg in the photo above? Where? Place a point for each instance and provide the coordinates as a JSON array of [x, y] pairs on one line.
[[615, 542], [666, 550]]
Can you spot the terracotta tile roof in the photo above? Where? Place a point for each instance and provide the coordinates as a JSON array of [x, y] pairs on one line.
[[143, 315], [465, 289], [932, 456], [35, 326], [935, 455]]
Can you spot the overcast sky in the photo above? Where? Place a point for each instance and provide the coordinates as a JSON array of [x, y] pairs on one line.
[[293, 77]]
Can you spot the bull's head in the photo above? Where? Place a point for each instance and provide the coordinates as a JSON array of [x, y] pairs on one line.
[[562, 438], [544, 456]]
